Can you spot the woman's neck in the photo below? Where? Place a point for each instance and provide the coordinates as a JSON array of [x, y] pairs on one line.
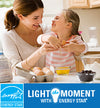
[[23, 30], [29, 36]]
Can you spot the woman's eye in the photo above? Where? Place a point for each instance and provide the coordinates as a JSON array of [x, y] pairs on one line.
[[36, 18]]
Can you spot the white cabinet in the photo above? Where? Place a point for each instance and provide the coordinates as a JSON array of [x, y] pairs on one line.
[[81, 3], [51, 8], [94, 3], [78, 3]]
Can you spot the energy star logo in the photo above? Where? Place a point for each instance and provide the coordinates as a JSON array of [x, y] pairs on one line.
[[11, 95], [15, 95], [55, 94]]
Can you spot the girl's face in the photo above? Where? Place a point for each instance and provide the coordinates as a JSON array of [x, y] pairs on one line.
[[58, 24], [33, 20]]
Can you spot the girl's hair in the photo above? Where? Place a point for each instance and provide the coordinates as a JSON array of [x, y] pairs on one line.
[[71, 16], [24, 7]]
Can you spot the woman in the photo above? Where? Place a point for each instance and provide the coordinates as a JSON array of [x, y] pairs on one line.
[[20, 41]]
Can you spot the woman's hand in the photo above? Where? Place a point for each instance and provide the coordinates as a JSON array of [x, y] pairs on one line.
[[33, 58], [52, 40], [45, 48]]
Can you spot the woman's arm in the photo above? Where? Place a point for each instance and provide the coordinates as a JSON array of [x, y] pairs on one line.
[[29, 62], [12, 53]]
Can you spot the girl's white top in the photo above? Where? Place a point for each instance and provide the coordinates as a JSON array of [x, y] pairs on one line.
[[61, 58]]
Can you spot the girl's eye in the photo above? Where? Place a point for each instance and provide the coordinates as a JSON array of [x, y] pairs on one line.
[[56, 18]]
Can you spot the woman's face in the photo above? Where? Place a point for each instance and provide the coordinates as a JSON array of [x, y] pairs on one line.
[[58, 24], [33, 20]]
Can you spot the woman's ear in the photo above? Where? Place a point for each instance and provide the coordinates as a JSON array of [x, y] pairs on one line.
[[20, 16], [69, 24]]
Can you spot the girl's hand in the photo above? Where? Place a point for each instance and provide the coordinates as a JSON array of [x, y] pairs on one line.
[[52, 40], [74, 47], [69, 47], [74, 41], [45, 48]]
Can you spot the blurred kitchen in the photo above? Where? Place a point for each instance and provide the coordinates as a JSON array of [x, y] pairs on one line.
[[88, 10]]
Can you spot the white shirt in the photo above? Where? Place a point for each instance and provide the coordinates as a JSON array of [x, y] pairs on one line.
[[16, 49]]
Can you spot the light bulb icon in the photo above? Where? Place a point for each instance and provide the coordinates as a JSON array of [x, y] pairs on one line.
[[55, 94]]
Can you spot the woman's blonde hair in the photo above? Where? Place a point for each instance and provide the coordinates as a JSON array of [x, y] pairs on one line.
[[24, 7], [71, 16]]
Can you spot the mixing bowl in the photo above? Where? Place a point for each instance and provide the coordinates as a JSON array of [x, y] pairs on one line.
[[62, 70], [92, 62]]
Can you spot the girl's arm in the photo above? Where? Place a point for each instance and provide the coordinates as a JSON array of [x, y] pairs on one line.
[[77, 46], [77, 49], [50, 39]]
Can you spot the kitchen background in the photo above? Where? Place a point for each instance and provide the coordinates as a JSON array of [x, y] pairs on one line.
[[88, 10]]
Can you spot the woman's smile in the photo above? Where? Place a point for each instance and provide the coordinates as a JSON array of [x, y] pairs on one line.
[[36, 26]]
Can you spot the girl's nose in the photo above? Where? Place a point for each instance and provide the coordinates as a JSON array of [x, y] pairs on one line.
[[53, 21]]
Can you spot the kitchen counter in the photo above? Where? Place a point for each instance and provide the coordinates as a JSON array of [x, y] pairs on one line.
[[93, 50], [71, 78], [96, 49]]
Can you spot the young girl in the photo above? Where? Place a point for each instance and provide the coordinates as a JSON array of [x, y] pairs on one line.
[[66, 39]]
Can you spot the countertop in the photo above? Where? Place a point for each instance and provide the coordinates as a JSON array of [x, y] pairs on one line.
[[71, 78], [94, 49]]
